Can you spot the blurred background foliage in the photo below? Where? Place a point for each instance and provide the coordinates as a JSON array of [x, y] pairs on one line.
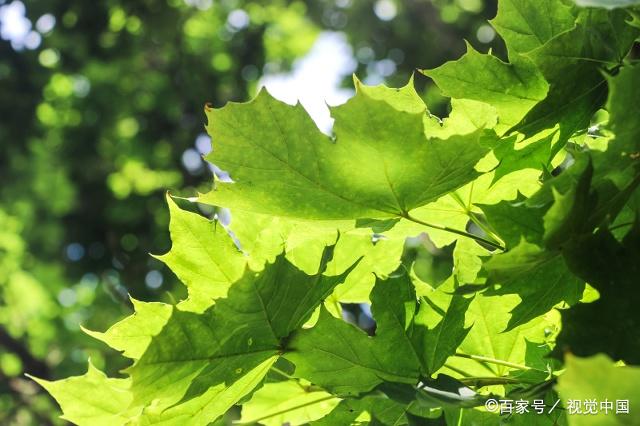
[[101, 113]]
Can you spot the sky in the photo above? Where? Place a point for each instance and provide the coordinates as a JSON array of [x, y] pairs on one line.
[[17, 28], [315, 79]]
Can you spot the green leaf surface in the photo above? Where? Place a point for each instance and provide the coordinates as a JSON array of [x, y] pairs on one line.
[[263, 237], [598, 379], [282, 165], [347, 412], [197, 365], [466, 116], [472, 236], [133, 334], [619, 164], [528, 24], [211, 404], [202, 256], [440, 324], [488, 318], [337, 356], [612, 268], [237, 334], [368, 410], [512, 89], [514, 221], [515, 156], [572, 63], [288, 402], [343, 359], [540, 278], [91, 399]]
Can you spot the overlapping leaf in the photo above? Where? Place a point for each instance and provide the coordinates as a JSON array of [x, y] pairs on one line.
[[573, 63], [598, 379], [203, 257], [289, 402], [532, 220], [341, 358], [612, 268], [526, 25], [199, 364], [513, 89]]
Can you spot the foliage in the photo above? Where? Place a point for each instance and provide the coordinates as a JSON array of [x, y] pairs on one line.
[[80, 123], [262, 323], [97, 120]]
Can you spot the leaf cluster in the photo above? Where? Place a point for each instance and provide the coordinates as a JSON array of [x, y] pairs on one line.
[[537, 203]]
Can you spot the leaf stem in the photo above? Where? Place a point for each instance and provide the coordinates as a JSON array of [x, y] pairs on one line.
[[282, 373], [473, 216], [481, 358], [459, 371], [490, 381], [621, 225], [455, 231], [290, 377]]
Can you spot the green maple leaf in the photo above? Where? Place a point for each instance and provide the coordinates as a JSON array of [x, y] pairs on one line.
[[212, 400], [199, 364], [336, 355], [267, 288], [514, 221], [466, 116], [487, 338], [537, 230], [517, 155], [238, 333], [598, 378], [599, 38], [620, 162], [289, 402], [91, 399], [540, 278], [611, 267], [133, 334], [262, 237], [513, 89], [572, 62], [202, 256], [528, 24], [440, 326], [370, 409], [282, 165]]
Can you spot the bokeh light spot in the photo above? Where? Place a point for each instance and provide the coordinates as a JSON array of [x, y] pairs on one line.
[[191, 160], [485, 34], [153, 279], [238, 19], [385, 10], [67, 297], [74, 252], [46, 23]]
